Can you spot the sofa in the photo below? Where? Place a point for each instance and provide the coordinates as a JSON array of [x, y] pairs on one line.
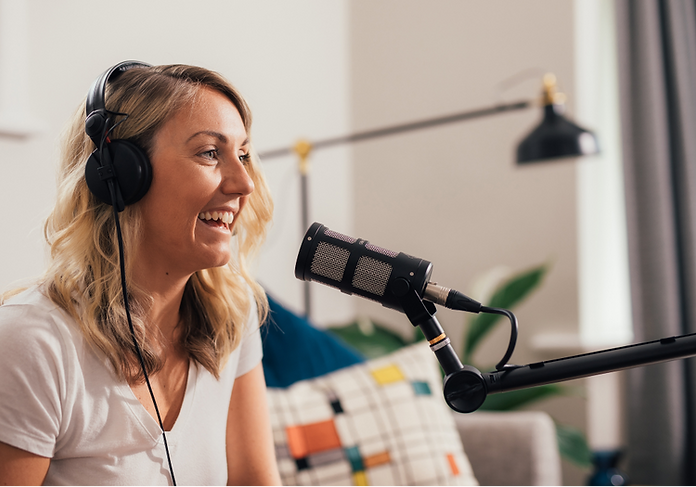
[[340, 419], [511, 448]]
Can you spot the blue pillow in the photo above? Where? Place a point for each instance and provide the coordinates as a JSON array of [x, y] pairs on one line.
[[293, 350]]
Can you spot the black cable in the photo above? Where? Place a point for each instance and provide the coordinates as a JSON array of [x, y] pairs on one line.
[[112, 191], [503, 364]]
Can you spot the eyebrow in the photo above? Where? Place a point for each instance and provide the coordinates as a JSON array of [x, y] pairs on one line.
[[221, 137]]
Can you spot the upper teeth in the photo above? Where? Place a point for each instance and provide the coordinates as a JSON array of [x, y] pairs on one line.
[[224, 216]]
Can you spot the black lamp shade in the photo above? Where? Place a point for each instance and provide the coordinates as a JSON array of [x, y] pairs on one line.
[[556, 137]]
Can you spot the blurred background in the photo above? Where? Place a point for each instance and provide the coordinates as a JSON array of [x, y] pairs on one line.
[[453, 195]]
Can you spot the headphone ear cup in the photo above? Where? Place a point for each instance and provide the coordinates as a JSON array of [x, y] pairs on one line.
[[131, 168], [96, 185]]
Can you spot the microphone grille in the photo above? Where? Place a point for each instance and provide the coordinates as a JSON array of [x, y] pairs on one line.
[[372, 275], [330, 261], [340, 236], [380, 250]]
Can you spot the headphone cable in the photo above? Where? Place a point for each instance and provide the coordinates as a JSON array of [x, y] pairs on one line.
[[121, 253]]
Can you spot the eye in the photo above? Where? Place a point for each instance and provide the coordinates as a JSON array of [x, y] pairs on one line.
[[245, 158], [210, 155]]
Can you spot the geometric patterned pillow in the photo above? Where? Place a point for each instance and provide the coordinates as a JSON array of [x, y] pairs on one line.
[[382, 422]]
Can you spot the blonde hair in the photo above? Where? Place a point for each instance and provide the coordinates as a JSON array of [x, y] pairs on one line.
[[83, 275]]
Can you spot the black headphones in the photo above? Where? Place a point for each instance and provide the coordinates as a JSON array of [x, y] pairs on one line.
[[120, 161], [118, 172]]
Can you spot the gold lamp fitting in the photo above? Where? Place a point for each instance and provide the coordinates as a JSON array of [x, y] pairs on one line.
[[550, 95], [303, 148]]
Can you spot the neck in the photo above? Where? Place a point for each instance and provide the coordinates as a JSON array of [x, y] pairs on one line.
[[166, 292]]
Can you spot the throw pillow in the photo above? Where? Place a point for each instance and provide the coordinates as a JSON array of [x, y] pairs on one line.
[[294, 350], [382, 422]]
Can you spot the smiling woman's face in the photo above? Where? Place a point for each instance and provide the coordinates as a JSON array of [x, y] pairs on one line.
[[199, 186]]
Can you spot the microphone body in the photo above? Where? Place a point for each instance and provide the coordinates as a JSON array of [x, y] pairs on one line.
[[355, 266]]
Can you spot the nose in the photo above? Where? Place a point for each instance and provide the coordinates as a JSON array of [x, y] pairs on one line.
[[236, 179]]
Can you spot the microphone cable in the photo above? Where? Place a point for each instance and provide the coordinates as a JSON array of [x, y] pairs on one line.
[[121, 253], [453, 299], [503, 364]]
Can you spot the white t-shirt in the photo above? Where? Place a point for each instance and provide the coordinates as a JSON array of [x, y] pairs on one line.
[[60, 399]]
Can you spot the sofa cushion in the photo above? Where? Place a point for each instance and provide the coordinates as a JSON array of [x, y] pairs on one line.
[[524, 441], [382, 422]]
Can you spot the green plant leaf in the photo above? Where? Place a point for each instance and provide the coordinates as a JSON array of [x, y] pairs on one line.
[[506, 296], [571, 441], [573, 446], [378, 342], [506, 401]]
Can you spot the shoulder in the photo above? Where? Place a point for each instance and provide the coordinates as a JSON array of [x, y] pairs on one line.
[[39, 353], [252, 323], [249, 351], [32, 321], [33, 298]]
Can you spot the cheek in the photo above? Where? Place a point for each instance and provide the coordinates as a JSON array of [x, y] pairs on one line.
[[157, 203], [171, 205], [181, 188], [243, 201]]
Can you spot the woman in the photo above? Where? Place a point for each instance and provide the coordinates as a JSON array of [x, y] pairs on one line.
[[76, 406]]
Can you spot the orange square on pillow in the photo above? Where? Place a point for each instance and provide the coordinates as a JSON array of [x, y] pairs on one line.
[[311, 438]]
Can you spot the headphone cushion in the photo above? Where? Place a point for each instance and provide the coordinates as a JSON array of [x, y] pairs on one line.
[[131, 167]]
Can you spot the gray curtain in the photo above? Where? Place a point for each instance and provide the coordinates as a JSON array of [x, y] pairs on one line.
[[657, 84]]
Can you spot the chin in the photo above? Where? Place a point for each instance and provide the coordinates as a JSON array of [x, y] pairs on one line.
[[220, 263], [218, 260]]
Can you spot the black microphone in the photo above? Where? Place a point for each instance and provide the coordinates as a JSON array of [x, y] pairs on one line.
[[400, 281], [355, 266]]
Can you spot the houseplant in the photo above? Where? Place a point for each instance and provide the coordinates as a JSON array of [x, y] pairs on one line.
[[571, 441], [374, 340]]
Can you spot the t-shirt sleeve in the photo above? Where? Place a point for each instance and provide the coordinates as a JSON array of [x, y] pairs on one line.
[[251, 348], [32, 381]]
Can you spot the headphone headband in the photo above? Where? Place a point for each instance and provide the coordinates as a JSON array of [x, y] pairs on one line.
[[95, 123]]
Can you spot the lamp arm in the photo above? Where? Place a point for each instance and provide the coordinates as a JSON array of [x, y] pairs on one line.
[[405, 127], [303, 148]]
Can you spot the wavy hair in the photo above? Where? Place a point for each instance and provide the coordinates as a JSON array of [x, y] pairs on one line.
[[83, 276]]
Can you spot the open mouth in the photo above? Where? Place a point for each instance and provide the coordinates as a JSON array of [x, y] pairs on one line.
[[219, 219]]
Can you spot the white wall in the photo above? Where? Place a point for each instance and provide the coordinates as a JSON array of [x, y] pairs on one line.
[[289, 59], [454, 195]]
